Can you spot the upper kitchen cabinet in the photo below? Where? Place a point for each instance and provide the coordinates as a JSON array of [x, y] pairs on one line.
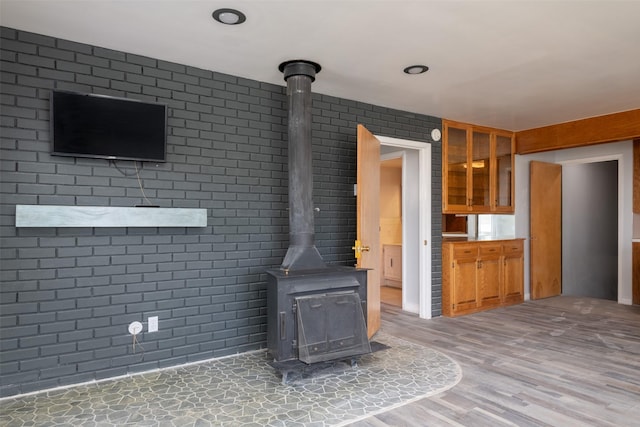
[[477, 169]]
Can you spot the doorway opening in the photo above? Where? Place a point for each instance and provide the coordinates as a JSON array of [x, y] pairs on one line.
[[622, 153], [590, 229], [406, 224], [391, 227]]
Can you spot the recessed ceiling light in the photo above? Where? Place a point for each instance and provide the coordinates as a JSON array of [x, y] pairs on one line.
[[416, 69], [229, 16]]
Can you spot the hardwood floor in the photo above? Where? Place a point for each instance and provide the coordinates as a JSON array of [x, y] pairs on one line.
[[563, 361]]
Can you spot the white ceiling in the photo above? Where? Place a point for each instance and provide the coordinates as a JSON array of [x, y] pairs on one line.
[[509, 64]]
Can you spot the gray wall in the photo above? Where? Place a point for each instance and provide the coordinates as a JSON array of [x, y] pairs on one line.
[[67, 295], [590, 230]]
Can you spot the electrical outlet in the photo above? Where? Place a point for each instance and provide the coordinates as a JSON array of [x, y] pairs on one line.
[[152, 322]]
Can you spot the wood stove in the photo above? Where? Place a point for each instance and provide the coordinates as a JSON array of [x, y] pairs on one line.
[[317, 315], [315, 312]]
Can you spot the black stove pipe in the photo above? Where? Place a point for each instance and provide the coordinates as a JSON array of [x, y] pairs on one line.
[[302, 253]]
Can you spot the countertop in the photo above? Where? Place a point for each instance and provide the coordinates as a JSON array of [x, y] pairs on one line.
[[450, 238]]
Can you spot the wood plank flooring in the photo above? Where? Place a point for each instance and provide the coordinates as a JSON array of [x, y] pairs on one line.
[[562, 361]]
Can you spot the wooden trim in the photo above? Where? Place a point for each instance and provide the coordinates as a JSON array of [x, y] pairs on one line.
[[463, 125], [596, 130]]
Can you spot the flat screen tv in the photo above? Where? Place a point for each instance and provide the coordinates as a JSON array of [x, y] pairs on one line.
[[89, 125]]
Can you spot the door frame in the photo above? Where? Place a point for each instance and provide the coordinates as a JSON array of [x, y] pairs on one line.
[[424, 233], [623, 151], [403, 198]]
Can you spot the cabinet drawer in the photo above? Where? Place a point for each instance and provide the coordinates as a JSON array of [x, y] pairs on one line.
[[513, 248], [490, 250], [465, 251]]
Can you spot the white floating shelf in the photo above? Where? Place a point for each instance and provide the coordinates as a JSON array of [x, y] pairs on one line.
[[107, 216]]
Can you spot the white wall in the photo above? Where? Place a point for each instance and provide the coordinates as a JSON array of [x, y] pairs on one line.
[[621, 151], [411, 245]]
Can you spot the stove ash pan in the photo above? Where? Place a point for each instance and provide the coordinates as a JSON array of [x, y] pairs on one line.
[[317, 315]]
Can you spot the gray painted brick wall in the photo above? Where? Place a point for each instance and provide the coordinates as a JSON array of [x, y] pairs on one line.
[[67, 295]]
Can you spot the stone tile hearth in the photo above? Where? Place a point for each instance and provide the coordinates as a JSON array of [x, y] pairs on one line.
[[244, 390]]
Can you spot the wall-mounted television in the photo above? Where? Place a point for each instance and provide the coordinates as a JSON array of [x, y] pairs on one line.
[[89, 125]]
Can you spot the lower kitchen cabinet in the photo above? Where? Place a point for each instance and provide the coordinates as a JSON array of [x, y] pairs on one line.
[[479, 275], [392, 267], [488, 269], [513, 272], [463, 270]]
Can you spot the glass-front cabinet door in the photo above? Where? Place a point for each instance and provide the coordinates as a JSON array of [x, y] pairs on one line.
[[477, 169], [455, 194], [480, 171], [504, 172]]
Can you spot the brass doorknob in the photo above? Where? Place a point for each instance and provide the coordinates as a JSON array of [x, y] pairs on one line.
[[358, 248]]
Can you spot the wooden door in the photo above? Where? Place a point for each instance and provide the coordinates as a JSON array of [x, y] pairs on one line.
[[368, 221], [488, 275], [464, 290], [513, 272], [546, 229]]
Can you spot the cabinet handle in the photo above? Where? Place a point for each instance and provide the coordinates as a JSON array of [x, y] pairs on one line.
[[391, 262], [479, 264]]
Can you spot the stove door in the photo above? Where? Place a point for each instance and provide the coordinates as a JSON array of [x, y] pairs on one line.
[[331, 326]]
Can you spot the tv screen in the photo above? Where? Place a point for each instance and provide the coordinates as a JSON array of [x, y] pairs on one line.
[[88, 125]]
